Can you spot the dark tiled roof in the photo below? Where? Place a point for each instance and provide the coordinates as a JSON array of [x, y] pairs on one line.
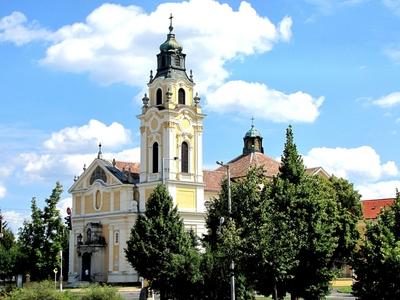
[[371, 208], [126, 172]]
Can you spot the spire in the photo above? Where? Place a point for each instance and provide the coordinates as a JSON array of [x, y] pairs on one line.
[[100, 154], [170, 23]]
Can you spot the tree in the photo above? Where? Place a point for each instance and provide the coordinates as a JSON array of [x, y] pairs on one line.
[[162, 251], [42, 238], [377, 262], [10, 254]]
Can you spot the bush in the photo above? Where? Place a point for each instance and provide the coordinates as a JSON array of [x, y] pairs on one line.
[[96, 292], [43, 290]]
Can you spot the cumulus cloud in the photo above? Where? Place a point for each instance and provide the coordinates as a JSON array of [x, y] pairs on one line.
[[78, 139], [259, 100], [65, 153], [117, 43], [16, 29], [383, 189], [387, 101], [360, 164]]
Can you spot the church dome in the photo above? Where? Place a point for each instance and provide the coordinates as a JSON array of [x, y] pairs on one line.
[[253, 132], [171, 44]]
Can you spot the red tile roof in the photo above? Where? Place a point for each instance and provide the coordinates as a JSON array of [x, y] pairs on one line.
[[213, 179], [124, 166], [241, 164], [371, 208]]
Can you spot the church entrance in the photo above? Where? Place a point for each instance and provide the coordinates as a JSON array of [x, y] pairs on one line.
[[86, 260]]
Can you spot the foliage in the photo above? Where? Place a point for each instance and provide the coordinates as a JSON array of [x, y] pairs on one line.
[[162, 251], [377, 263], [42, 238], [96, 292], [40, 291], [10, 255], [292, 230]]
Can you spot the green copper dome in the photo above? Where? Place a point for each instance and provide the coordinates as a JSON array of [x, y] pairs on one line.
[[171, 44], [253, 132]]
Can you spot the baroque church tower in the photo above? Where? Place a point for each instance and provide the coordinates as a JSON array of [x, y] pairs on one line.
[[171, 135]]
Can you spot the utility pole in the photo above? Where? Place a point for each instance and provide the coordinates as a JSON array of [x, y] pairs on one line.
[[232, 266]]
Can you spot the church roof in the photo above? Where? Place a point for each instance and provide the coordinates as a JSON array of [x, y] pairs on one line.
[[240, 165], [213, 179], [371, 208]]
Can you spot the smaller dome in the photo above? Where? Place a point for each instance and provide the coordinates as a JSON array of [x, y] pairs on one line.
[[171, 44], [253, 132]]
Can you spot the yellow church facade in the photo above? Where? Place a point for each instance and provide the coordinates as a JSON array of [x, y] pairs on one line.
[[108, 196]]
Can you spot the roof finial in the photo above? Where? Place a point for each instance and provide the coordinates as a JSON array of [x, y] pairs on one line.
[[170, 23], [252, 121], [99, 154]]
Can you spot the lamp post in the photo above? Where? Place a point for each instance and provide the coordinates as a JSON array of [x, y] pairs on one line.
[[228, 174], [163, 164]]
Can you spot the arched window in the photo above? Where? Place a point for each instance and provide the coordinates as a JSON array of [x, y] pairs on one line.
[[159, 97], [155, 157], [177, 61], [116, 238], [184, 158], [98, 173], [181, 96]]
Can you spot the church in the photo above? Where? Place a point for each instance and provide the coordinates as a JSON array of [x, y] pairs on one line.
[[109, 195]]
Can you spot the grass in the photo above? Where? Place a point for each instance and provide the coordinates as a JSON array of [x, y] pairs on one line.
[[344, 289]]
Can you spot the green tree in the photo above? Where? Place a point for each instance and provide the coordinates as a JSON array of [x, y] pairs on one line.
[[10, 254], [377, 262], [162, 251], [42, 238]]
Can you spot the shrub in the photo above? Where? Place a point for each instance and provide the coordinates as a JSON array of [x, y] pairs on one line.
[[96, 292], [43, 290]]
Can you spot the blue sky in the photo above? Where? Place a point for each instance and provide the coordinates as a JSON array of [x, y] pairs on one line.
[[72, 74]]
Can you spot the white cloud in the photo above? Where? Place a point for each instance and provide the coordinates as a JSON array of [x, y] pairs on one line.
[[3, 191], [78, 139], [393, 54], [393, 5], [383, 189], [259, 100], [360, 164], [390, 100], [118, 43], [16, 29], [15, 219], [285, 28], [65, 153], [63, 205]]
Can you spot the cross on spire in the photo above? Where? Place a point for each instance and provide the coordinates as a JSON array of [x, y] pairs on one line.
[[170, 23]]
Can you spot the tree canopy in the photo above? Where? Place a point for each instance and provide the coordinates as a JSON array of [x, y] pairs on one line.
[[377, 262]]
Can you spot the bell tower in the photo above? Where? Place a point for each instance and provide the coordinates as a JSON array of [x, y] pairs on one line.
[[171, 126]]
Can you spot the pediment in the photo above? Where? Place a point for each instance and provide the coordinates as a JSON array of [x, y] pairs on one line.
[[97, 174]]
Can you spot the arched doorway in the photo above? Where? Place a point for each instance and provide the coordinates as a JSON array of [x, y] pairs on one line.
[[86, 261]]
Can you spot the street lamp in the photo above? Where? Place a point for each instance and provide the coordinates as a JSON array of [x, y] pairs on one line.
[[163, 164], [228, 174]]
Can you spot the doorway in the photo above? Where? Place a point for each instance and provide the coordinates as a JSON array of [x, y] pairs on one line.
[[86, 261]]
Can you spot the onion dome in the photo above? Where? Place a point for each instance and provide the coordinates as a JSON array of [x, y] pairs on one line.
[[171, 44], [253, 132]]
